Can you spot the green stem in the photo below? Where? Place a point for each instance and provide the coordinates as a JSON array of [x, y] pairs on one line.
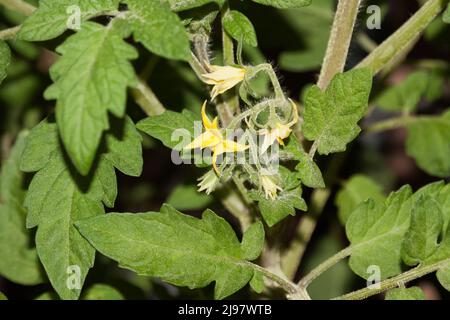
[[339, 42], [267, 68], [19, 6], [396, 43], [233, 202], [395, 123], [146, 99], [324, 266], [10, 33], [405, 277]]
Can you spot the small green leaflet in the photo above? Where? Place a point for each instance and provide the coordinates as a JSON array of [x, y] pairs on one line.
[[355, 191], [175, 130], [413, 293], [284, 4], [407, 95], [58, 196], [238, 26], [181, 5], [102, 292], [331, 117], [307, 170], [421, 239], [159, 29], [446, 15], [429, 144], [5, 59], [18, 262], [53, 17], [186, 197], [376, 232], [273, 211], [91, 79], [2, 296], [177, 248]]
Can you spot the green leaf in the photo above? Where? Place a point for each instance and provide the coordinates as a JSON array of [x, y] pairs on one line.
[[311, 25], [165, 127], [376, 232], [355, 191], [413, 293], [307, 170], [102, 292], [186, 197], [177, 5], [257, 282], [5, 60], [446, 15], [177, 248], [407, 94], [53, 17], [3, 297], [443, 276], [253, 241], [331, 117], [421, 239], [18, 261], [284, 4], [239, 27], [159, 29], [58, 196], [273, 211], [91, 79], [428, 143]]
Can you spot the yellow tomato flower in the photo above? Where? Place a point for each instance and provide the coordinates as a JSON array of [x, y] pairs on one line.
[[213, 138], [223, 78], [280, 132], [270, 187]]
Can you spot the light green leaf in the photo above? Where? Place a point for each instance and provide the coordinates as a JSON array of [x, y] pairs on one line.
[[102, 292], [53, 17], [91, 79], [124, 145], [257, 282], [443, 276], [407, 94], [413, 293], [355, 191], [159, 29], [186, 197], [428, 143], [5, 60], [284, 4], [238, 26], [177, 248], [181, 5], [376, 232], [311, 25], [3, 297], [175, 130], [421, 239], [446, 15], [18, 261], [331, 117], [307, 170], [58, 196], [253, 241]]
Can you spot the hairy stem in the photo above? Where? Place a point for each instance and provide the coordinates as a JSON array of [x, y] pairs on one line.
[[10, 33], [393, 282], [396, 123], [339, 42], [395, 44], [19, 6]]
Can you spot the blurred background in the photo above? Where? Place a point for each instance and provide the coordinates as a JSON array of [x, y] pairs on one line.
[[294, 41]]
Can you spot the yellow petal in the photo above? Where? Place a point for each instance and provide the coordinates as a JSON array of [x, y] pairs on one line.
[[232, 146], [206, 121], [221, 73], [206, 140]]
